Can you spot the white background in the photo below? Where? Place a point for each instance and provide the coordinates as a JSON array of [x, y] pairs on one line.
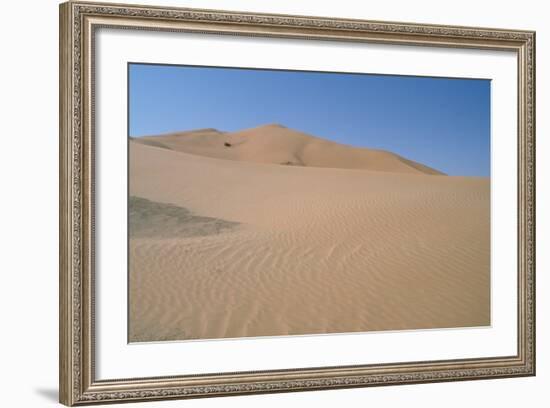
[[117, 359], [28, 205]]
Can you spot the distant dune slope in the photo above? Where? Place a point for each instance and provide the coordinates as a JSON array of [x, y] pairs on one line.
[[224, 248], [277, 144]]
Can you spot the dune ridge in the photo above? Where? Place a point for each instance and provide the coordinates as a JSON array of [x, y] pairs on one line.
[[277, 144], [307, 249]]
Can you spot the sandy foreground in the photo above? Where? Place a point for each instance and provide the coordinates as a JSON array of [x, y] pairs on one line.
[[230, 243]]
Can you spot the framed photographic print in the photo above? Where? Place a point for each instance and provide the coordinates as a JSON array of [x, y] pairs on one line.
[[256, 203]]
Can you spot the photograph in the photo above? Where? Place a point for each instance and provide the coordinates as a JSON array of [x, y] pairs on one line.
[[267, 202], [273, 200]]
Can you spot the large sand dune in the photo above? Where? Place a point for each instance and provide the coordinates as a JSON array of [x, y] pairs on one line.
[[277, 144], [223, 246]]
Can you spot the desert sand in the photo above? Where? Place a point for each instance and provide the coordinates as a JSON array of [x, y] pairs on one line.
[[270, 231]]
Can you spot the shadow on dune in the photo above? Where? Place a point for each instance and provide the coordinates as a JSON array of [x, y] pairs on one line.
[[150, 219]]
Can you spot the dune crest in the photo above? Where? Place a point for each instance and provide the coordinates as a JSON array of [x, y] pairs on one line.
[[277, 144]]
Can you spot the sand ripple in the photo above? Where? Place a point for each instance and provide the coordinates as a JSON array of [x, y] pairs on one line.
[[316, 251]]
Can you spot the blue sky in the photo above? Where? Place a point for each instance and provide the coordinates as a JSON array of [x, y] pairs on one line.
[[440, 122]]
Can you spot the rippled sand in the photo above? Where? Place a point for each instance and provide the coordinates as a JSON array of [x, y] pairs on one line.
[[221, 247]]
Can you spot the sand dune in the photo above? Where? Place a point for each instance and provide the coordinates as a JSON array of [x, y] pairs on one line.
[[240, 248], [277, 144]]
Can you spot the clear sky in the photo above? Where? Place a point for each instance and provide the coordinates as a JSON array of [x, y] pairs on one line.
[[440, 122]]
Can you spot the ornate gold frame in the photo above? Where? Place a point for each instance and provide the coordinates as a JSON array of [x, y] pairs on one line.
[[78, 22]]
